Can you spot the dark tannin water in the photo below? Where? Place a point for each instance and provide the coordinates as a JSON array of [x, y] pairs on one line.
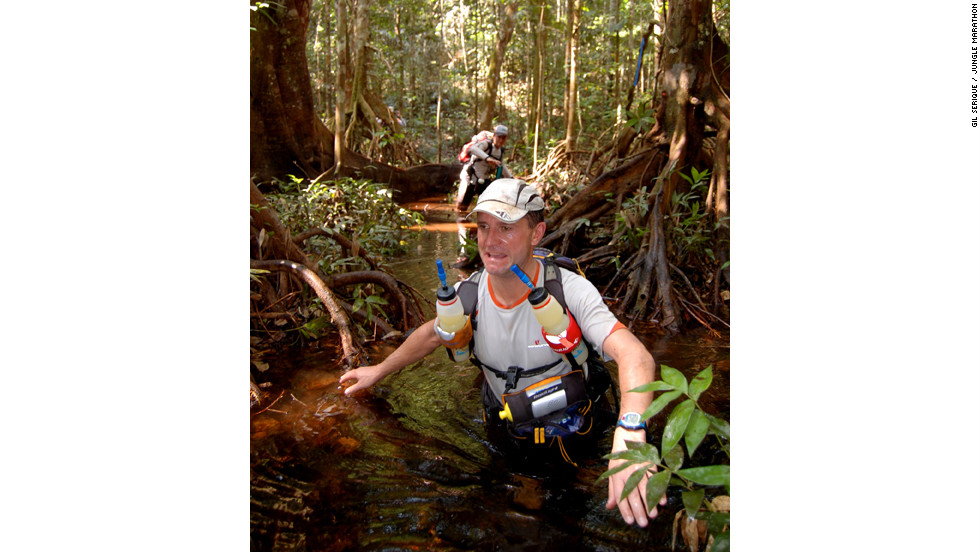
[[408, 465]]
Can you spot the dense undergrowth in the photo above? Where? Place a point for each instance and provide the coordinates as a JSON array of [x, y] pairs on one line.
[[358, 213]]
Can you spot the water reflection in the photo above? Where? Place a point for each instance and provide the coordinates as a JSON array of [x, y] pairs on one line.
[[407, 466]]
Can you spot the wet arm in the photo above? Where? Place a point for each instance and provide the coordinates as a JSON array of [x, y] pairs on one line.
[[419, 343]]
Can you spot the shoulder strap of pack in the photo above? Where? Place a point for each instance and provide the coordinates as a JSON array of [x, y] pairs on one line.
[[552, 281], [489, 149], [467, 292]]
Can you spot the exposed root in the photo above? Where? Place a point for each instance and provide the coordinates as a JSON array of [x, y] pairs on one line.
[[352, 352]]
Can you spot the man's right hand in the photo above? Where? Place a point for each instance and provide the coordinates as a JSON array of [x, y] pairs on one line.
[[364, 377]]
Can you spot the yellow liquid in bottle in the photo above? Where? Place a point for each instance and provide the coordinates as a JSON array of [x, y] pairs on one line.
[[551, 316], [451, 316]]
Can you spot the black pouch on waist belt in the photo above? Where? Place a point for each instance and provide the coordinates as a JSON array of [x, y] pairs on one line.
[[552, 395]]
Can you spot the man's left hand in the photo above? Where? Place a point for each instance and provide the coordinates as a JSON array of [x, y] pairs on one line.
[[634, 508]]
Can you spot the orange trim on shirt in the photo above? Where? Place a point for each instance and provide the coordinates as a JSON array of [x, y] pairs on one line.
[[537, 270], [619, 326]]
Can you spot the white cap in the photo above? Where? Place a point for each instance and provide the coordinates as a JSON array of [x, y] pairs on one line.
[[509, 199], [501, 130]]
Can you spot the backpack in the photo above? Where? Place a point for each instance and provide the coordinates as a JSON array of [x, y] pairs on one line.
[[464, 154]]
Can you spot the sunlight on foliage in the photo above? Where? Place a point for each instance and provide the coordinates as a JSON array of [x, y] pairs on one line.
[[361, 210]]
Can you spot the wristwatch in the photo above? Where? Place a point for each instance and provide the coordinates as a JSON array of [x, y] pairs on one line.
[[631, 421]]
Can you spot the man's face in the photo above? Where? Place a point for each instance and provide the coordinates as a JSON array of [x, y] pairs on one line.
[[498, 140], [503, 244]]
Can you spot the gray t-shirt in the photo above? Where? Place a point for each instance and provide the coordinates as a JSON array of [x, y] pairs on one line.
[[510, 335]]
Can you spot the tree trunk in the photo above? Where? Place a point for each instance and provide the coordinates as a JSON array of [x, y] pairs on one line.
[[689, 84], [496, 61], [571, 102], [284, 136], [340, 99], [537, 87]]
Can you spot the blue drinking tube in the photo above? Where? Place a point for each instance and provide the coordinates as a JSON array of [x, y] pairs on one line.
[[442, 272], [520, 274]]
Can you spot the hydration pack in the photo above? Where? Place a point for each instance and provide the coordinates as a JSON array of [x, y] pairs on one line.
[[464, 154]]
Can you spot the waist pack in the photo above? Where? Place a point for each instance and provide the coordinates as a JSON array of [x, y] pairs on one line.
[[547, 397]]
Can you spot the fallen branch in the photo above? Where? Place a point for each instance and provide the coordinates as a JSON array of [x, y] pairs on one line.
[[690, 307], [273, 403]]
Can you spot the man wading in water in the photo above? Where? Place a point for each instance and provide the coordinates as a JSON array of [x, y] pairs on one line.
[[510, 349]]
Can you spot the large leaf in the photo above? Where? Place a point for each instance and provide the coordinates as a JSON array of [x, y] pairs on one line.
[[677, 424], [633, 456], [614, 471], [652, 386], [692, 501], [649, 451], [660, 403], [719, 426], [633, 480], [674, 458], [673, 377], [697, 428], [656, 487], [700, 382], [707, 475]]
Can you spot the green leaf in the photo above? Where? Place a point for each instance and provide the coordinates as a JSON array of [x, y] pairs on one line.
[[652, 386], [716, 522], [721, 543], [635, 456], [647, 449], [707, 475], [719, 426], [675, 458], [697, 428], [692, 501], [673, 377], [660, 403], [614, 471], [656, 487], [700, 383], [632, 481], [677, 424]]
